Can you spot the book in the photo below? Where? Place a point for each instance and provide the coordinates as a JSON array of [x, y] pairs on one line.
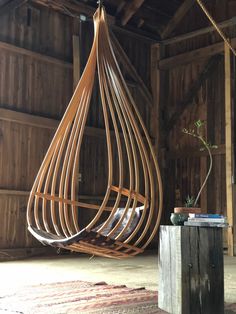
[[217, 220], [205, 224], [206, 216]]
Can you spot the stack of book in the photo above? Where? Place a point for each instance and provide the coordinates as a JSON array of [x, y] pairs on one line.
[[206, 220]]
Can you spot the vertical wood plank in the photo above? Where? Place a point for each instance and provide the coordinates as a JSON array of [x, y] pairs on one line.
[[156, 91], [228, 150], [210, 262], [169, 296], [155, 116], [76, 60]]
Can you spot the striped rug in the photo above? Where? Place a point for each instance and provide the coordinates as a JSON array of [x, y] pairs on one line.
[[79, 297], [82, 297]]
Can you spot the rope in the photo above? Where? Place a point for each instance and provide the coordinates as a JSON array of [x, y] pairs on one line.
[[216, 26]]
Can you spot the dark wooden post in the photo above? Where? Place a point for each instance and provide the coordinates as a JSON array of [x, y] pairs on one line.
[[191, 277]]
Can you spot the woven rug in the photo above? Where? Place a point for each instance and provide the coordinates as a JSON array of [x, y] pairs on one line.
[[82, 297], [79, 297]]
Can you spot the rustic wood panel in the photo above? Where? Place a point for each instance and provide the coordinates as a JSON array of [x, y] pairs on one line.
[[139, 53], [191, 270], [38, 29], [13, 231], [196, 19], [33, 86], [206, 105], [22, 151]]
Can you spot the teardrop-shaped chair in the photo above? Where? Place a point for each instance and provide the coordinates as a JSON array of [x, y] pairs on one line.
[[128, 217]]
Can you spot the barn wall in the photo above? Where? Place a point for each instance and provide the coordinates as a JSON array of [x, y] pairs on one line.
[[36, 80], [195, 95]]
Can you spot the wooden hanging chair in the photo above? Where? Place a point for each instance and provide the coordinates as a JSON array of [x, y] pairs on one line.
[[128, 217]]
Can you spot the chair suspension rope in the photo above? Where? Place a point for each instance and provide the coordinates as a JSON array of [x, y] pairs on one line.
[[203, 7]]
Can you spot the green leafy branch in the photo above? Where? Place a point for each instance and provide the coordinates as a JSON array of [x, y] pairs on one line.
[[197, 133]]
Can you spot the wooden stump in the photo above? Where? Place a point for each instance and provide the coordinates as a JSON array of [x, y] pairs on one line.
[[191, 276]]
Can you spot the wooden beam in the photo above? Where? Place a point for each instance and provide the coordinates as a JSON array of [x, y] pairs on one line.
[[75, 10], [36, 55], [130, 9], [120, 7], [42, 122], [140, 23], [201, 31], [155, 117], [155, 84], [123, 58], [192, 91], [197, 54], [11, 6], [157, 122], [228, 151], [4, 192], [28, 119], [72, 9], [45, 58], [76, 60], [177, 18], [46, 123]]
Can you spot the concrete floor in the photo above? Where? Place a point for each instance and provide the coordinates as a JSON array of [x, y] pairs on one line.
[[140, 271]]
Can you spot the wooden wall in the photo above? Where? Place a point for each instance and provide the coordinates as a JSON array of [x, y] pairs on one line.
[[192, 73], [36, 83]]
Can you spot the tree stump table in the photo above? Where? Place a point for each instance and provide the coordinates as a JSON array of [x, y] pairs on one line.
[[191, 274]]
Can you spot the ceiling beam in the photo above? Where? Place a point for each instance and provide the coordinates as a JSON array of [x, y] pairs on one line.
[[177, 18], [130, 9], [198, 32], [35, 55], [193, 55], [73, 9], [10, 6], [120, 7]]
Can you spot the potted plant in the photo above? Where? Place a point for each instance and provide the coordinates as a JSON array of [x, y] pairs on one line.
[[181, 213]]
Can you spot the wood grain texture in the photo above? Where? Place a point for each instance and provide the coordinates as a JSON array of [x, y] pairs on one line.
[[76, 60], [229, 149], [198, 32], [13, 232], [178, 16], [193, 54], [11, 6], [184, 152], [191, 269], [170, 296], [129, 10]]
